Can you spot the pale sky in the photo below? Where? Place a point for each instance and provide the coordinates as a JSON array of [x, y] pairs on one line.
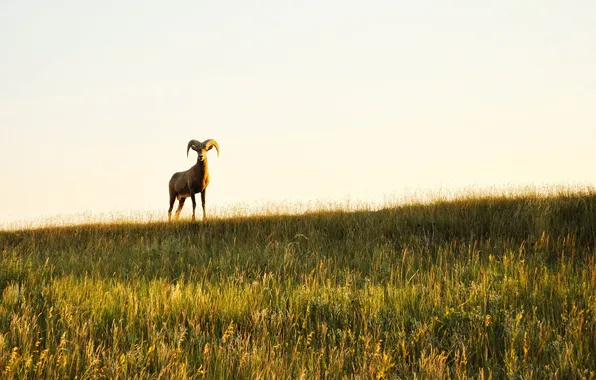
[[308, 100]]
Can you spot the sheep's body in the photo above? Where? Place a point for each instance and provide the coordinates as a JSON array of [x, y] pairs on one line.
[[192, 181], [186, 184]]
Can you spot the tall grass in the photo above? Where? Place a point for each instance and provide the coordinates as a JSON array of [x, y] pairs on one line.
[[483, 287]]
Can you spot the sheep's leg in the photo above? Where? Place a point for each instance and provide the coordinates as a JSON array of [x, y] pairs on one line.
[[180, 205], [194, 205], [203, 195], [172, 200]]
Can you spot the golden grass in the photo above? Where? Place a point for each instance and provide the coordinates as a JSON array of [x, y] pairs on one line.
[[475, 285]]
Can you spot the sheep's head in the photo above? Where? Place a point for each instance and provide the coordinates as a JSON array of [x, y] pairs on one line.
[[202, 148]]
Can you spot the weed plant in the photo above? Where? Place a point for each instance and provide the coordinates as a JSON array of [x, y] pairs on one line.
[[476, 287]]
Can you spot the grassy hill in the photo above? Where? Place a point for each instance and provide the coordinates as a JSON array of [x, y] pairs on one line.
[[476, 287]]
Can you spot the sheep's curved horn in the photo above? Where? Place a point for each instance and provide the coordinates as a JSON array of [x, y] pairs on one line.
[[210, 143], [192, 143]]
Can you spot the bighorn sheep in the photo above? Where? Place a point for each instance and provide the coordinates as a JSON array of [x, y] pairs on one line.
[[194, 180]]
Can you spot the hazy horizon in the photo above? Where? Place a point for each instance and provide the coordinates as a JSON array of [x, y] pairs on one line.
[[309, 101]]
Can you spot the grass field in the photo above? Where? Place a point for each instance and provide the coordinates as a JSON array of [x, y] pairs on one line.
[[477, 287]]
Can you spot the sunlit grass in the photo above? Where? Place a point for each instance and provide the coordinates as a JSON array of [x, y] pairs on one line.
[[409, 197], [471, 285]]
